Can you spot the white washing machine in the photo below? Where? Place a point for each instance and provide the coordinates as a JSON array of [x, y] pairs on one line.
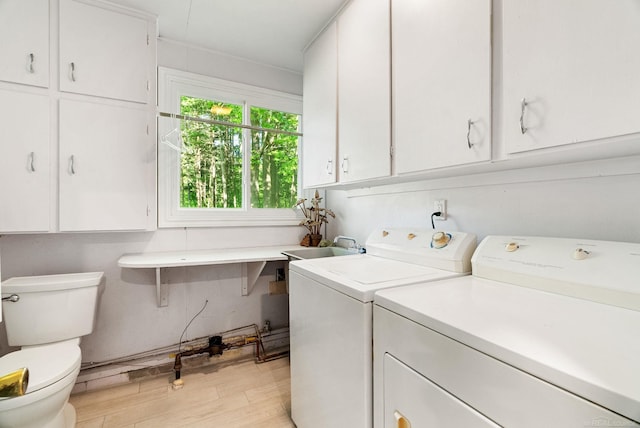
[[545, 333], [331, 315]]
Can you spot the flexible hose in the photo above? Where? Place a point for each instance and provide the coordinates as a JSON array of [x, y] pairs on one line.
[[185, 329]]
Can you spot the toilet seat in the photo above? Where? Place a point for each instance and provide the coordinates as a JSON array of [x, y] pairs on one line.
[[47, 364]]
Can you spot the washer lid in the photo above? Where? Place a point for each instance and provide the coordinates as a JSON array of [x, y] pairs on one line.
[[47, 364], [361, 275]]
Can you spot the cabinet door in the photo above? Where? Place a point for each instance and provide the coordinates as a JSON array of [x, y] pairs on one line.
[[105, 153], [412, 400], [25, 58], [441, 83], [364, 101], [320, 110], [577, 68], [24, 162], [103, 52]]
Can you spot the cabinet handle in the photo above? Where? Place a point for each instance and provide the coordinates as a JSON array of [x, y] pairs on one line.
[[31, 58], [72, 71], [469, 123], [345, 164], [523, 105], [32, 167], [72, 167], [330, 166]]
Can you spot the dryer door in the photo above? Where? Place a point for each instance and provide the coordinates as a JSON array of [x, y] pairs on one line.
[[413, 401]]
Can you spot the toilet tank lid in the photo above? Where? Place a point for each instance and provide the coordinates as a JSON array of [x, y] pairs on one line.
[[64, 281], [47, 364]]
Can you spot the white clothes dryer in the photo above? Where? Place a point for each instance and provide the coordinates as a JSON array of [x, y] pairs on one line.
[[331, 315], [545, 332]]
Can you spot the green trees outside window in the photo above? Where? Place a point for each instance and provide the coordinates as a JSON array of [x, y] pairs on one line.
[[212, 157], [274, 159]]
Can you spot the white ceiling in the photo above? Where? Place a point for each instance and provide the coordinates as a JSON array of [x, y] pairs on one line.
[[273, 32]]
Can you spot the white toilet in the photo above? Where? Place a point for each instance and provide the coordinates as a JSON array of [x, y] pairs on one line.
[[50, 315]]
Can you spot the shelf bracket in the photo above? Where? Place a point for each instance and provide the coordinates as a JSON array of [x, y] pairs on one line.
[[250, 271], [162, 290]]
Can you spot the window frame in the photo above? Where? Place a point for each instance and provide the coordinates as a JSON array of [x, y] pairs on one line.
[[172, 85]]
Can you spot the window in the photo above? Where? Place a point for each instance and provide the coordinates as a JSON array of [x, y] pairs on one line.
[[227, 153]]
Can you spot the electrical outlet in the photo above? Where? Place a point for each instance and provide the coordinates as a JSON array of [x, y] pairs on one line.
[[440, 205]]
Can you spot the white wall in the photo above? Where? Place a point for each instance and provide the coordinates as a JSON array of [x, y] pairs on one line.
[[128, 320], [591, 200], [197, 60]]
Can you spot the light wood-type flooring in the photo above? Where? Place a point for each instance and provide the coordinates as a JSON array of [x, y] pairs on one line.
[[224, 395]]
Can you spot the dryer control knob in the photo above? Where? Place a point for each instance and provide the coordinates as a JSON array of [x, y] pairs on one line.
[[440, 239], [511, 247], [580, 254]]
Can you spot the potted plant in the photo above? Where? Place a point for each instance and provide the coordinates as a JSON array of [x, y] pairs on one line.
[[314, 218]]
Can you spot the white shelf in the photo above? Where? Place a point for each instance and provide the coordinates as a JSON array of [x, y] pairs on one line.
[[253, 261]]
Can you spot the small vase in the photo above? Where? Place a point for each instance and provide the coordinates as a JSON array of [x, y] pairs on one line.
[[315, 240], [311, 240]]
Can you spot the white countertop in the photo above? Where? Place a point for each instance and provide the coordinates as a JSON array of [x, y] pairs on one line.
[[204, 257]]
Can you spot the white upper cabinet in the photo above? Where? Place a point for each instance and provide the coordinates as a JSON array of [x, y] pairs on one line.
[[105, 153], [441, 83], [364, 100], [104, 176], [103, 52], [320, 110], [24, 162], [571, 71], [24, 52]]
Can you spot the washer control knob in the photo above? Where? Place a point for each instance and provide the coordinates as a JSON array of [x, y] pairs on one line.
[[440, 239], [580, 254], [511, 247]]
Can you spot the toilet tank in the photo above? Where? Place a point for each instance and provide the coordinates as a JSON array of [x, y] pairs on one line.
[[50, 308]]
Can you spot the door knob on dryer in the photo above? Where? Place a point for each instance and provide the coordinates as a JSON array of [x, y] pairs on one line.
[[580, 254], [511, 247], [440, 240]]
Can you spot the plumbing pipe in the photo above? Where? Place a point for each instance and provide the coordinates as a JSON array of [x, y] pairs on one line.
[[157, 352], [216, 347]]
